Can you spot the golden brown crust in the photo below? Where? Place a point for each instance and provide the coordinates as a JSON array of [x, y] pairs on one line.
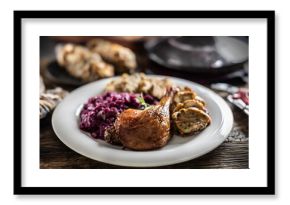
[[182, 96], [145, 129], [123, 58], [140, 83], [190, 120], [82, 64], [189, 113], [188, 104]]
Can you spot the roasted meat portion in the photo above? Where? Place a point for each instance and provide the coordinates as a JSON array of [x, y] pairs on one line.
[[145, 129]]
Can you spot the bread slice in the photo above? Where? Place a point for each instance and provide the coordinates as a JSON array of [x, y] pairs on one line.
[[190, 120], [182, 96], [188, 104]]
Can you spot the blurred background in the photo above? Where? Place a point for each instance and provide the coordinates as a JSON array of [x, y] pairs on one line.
[[203, 59]]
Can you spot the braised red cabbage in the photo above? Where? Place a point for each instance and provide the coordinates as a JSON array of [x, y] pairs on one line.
[[100, 112]]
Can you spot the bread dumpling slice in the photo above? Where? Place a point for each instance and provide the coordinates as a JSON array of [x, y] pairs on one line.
[[182, 96], [188, 104], [190, 120]]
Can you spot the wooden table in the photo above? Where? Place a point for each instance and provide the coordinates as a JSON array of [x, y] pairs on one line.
[[232, 154]]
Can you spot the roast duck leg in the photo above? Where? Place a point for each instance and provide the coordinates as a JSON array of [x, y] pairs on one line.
[[145, 129]]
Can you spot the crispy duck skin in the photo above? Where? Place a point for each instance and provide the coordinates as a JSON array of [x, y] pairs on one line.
[[145, 129]]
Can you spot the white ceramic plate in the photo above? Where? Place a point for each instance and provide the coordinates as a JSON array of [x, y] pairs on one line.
[[179, 149]]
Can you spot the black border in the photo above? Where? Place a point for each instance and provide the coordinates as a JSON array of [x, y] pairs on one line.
[[267, 15]]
